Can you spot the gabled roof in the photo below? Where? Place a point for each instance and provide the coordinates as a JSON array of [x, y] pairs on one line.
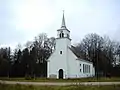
[[74, 50], [78, 54]]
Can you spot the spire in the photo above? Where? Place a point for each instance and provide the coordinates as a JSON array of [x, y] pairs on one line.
[[63, 21]]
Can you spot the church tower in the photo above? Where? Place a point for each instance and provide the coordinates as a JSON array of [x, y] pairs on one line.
[[63, 34], [58, 61]]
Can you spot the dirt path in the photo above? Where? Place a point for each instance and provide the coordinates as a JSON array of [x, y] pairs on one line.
[[60, 83]]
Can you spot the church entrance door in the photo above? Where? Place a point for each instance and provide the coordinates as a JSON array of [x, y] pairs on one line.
[[61, 74]]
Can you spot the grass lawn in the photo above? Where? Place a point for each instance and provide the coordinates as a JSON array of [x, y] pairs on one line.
[[30, 87], [103, 79]]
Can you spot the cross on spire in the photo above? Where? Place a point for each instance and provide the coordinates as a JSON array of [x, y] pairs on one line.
[[63, 21]]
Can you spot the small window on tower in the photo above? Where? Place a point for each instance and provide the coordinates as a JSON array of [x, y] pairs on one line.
[[67, 35], [62, 34], [60, 52]]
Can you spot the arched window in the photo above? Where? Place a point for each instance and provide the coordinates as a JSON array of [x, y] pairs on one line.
[[62, 34], [67, 35]]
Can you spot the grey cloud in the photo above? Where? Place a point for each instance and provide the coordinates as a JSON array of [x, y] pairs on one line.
[[82, 17]]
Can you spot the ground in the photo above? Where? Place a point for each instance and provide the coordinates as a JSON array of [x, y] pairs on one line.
[[30, 87], [102, 79], [59, 82], [54, 84]]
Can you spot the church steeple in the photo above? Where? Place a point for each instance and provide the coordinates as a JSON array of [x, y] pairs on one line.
[[63, 22], [63, 32]]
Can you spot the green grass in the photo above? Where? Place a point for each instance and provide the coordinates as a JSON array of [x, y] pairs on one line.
[[30, 87], [103, 79]]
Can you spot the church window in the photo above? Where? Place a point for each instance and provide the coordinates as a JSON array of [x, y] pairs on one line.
[[60, 52], [80, 64], [80, 70], [67, 35], [86, 68], [62, 34], [89, 69], [83, 68]]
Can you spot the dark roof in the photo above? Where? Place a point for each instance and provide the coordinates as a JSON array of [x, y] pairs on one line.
[[78, 53], [74, 50], [63, 29]]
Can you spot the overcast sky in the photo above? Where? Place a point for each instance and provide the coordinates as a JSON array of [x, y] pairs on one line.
[[22, 20]]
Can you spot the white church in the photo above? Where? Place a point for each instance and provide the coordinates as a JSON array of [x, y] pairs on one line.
[[64, 62]]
